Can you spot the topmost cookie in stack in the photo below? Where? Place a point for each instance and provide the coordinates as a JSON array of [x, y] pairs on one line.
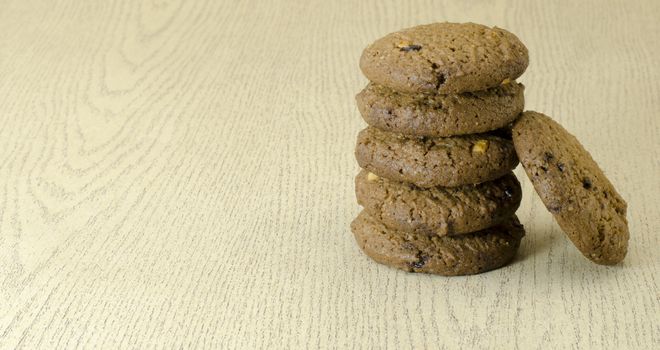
[[443, 79], [437, 188]]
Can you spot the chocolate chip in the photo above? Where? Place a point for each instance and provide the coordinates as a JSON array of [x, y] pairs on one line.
[[441, 79], [420, 262], [412, 47], [408, 246], [586, 183], [450, 226], [560, 166], [508, 191], [548, 156], [554, 209]]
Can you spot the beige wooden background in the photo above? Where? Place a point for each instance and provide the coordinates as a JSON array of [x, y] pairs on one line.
[[179, 174]]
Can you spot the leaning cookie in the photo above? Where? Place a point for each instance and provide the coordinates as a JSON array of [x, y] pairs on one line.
[[445, 58], [440, 161], [448, 255], [440, 115], [573, 188], [438, 210]]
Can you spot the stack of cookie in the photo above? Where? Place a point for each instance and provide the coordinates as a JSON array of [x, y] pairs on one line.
[[436, 186]]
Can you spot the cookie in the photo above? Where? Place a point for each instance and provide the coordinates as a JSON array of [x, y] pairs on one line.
[[447, 255], [438, 210], [573, 188], [440, 161], [444, 58], [440, 115]]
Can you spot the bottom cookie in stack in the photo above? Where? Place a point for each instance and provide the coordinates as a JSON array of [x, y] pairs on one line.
[[463, 254]]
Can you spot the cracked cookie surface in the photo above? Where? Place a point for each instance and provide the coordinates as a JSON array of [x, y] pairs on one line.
[[465, 254], [438, 210], [440, 115], [439, 161], [573, 188], [445, 58]]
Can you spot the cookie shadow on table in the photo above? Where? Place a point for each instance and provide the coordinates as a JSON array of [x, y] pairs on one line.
[[536, 243], [551, 245]]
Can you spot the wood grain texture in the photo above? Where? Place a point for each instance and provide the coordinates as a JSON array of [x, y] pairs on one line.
[[179, 174]]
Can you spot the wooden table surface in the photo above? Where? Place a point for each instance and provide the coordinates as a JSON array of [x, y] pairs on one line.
[[179, 174]]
